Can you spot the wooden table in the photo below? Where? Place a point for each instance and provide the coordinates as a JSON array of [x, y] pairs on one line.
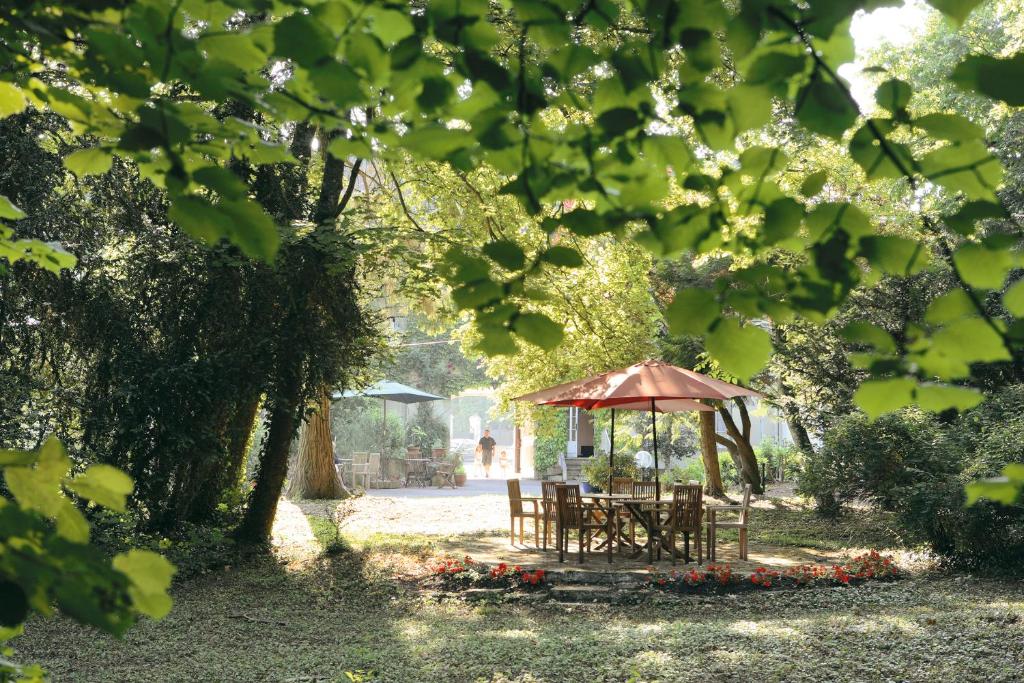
[[606, 503], [427, 475], [646, 511]]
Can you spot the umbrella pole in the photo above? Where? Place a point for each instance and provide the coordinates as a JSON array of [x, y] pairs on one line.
[[611, 454], [657, 478], [384, 430]]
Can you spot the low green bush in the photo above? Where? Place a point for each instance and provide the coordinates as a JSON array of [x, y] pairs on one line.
[[911, 463], [874, 460], [693, 470], [597, 471], [781, 462]]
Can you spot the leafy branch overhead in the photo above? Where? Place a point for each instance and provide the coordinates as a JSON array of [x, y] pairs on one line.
[[612, 120], [45, 556]]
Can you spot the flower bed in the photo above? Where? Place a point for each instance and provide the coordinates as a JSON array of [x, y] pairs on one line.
[[712, 578], [458, 574]]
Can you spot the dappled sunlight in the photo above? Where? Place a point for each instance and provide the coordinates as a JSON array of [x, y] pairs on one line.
[[293, 536]]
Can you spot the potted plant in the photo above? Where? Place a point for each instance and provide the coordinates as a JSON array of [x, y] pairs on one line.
[[460, 474], [596, 471]]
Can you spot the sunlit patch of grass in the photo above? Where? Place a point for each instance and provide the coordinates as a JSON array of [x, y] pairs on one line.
[[804, 528]]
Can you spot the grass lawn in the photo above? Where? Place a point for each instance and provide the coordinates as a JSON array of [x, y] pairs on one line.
[[345, 617]]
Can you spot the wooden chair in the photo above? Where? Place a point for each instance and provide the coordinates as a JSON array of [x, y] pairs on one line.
[[515, 508], [549, 505], [623, 485], [416, 471], [373, 469], [361, 469], [741, 523], [573, 513], [445, 470], [645, 490], [642, 490], [685, 517]]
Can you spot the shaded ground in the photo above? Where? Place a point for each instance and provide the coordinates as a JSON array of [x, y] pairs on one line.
[[343, 617]]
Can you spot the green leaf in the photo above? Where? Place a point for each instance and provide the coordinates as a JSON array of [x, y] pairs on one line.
[[894, 255], [538, 329], [879, 396], [149, 576], [891, 160], [893, 95], [750, 106], [999, 79], [9, 210], [198, 217], [39, 487], [338, 84], [952, 305], [565, 257], [389, 25], [250, 228], [505, 253], [814, 183], [691, 312], [957, 10], [344, 148], [951, 127], [13, 605], [90, 161], [477, 294], [221, 180], [497, 342], [304, 39], [1013, 299], [104, 485], [12, 100], [963, 342], [982, 267], [964, 221], [872, 335], [782, 219], [966, 167], [823, 107], [619, 120], [939, 397], [1005, 489], [741, 351], [12, 456]]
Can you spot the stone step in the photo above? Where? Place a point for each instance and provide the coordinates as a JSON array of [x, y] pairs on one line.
[[598, 578], [583, 593]]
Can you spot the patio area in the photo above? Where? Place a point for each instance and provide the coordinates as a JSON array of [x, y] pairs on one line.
[[473, 520]]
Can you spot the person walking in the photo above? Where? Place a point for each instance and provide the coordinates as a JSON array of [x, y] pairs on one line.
[[486, 447]]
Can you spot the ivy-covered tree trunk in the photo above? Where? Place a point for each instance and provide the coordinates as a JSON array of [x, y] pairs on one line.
[[313, 474], [318, 294], [259, 516], [739, 445], [709, 453]]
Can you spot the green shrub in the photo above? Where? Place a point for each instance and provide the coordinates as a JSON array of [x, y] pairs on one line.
[[781, 462], [552, 437], [596, 470], [874, 461], [693, 470], [426, 430], [913, 464]]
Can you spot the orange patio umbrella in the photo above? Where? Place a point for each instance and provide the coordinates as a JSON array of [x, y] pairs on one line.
[[650, 385]]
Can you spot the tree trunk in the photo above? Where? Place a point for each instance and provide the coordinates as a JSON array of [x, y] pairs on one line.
[[287, 399], [259, 516], [240, 436], [709, 453], [749, 470], [313, 474]]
